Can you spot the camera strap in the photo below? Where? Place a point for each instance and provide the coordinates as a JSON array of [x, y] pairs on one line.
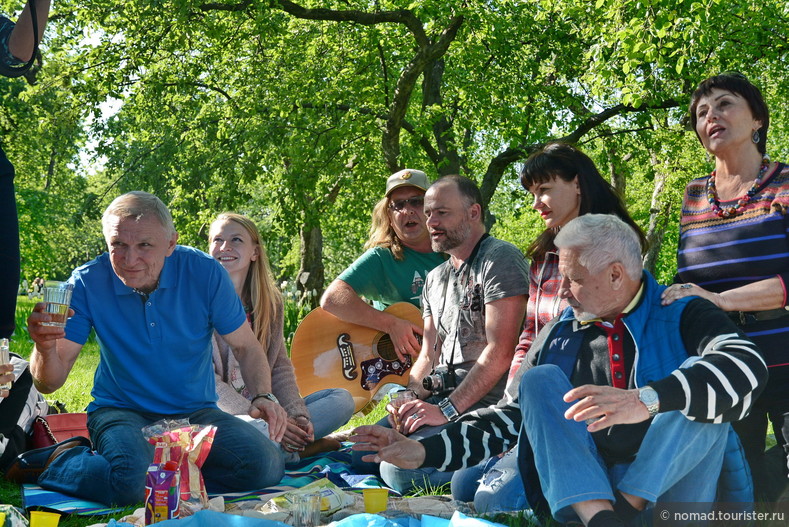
[[466, 267]]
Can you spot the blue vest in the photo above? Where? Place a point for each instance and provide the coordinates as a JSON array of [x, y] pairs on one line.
[[655, 329]]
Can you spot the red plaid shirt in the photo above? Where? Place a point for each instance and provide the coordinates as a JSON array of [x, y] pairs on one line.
[[544, 304]]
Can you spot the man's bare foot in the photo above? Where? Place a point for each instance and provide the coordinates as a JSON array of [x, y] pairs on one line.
[[341, 435], [325, 444]]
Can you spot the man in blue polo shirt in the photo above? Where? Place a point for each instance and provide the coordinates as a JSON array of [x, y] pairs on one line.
[[154, 306]]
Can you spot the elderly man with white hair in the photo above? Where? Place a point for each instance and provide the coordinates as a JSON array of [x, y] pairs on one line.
[[622, 402]]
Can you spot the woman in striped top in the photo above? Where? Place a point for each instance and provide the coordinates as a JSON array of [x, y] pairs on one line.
[[734, 246]]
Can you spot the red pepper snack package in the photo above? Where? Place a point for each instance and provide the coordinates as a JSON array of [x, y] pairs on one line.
[[187, 445]]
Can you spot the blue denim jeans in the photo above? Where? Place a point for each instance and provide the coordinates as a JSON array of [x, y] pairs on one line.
[[241, 459], [329, 410], [495, 485], [682, 464]]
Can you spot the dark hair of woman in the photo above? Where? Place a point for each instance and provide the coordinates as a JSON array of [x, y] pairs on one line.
[[563, 160], [738, 84]]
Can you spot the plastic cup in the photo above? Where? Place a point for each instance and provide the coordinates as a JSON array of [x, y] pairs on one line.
[[57, 296], [397, 400], [375, 500], [307, 510], [44, 519], [2, 519]]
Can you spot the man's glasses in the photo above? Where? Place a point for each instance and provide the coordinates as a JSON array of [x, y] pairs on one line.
[[399, 204]]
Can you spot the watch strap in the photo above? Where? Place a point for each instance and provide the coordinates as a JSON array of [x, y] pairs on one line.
[[448, 409], [270, 396], [649, 397]]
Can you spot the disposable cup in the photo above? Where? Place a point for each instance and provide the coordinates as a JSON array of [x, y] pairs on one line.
[[2, 519], [307, 510], [375, 500], [44, 519], [397, 400], [57, 296]]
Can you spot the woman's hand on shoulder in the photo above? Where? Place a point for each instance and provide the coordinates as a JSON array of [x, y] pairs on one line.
[[676, 291]]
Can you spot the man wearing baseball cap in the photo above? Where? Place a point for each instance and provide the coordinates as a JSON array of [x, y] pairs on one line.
[[394, 266]]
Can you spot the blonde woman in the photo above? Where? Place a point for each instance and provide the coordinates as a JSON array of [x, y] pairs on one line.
[[394, 266], [234, 241]]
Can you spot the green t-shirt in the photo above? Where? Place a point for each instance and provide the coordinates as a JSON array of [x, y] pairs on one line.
[[378, 277]]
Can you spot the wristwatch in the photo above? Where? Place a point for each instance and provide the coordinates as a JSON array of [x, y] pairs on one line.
[[649, 397], [448, 409], [269, 396]]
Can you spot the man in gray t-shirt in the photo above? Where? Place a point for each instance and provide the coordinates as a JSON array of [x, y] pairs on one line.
[[461, 300], [473, 307]]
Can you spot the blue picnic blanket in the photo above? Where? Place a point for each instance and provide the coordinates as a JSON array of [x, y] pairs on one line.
[[218, 519], [336, 466]]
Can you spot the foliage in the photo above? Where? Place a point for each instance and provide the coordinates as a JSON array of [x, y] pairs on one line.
[[294, 113]]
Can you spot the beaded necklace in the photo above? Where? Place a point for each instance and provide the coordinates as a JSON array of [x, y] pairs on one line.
[[730, 212]]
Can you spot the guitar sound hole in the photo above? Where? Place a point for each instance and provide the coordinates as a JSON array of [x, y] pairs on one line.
[[385, 348]]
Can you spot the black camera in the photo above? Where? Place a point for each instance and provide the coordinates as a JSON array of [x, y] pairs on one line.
[[441, 380]]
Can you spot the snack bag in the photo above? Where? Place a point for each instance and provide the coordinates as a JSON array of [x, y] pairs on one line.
[[162, 493], [187, 445]]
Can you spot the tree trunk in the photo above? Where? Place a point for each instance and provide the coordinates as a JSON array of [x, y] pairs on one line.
[[311, 272], [617, 175], [659, 210]]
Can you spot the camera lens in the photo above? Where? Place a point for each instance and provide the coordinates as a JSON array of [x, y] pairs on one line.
[[427, 383]]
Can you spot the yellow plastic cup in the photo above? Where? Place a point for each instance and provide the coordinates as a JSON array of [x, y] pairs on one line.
[[44, 519], [375, 500], [2, 519]]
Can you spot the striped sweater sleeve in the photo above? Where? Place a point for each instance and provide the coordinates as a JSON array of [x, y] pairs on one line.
[[486, 432], [722, 384], [476, 436]]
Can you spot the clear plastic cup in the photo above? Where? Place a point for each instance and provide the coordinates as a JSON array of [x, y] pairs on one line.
[[307, 510], [5, 358], [57, 296], [397, 400]]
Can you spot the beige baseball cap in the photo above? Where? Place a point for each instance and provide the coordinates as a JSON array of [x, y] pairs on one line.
[[407, 177]]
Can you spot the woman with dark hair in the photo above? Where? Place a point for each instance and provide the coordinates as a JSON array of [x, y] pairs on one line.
[[564, 184], [733, 246]]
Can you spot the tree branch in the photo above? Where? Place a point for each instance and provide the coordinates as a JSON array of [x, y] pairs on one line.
[[599, 118], [423, 141], [405, 86], [499, 164], [216, 6], [400, 16]]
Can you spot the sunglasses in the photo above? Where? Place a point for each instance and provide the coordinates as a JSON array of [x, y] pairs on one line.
[[399, 204]]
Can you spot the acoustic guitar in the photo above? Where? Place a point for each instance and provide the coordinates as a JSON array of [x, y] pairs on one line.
[[330, 353]]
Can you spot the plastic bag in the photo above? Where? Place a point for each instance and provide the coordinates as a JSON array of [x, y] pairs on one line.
[[332, 498], [188, 445], [13, 516]]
